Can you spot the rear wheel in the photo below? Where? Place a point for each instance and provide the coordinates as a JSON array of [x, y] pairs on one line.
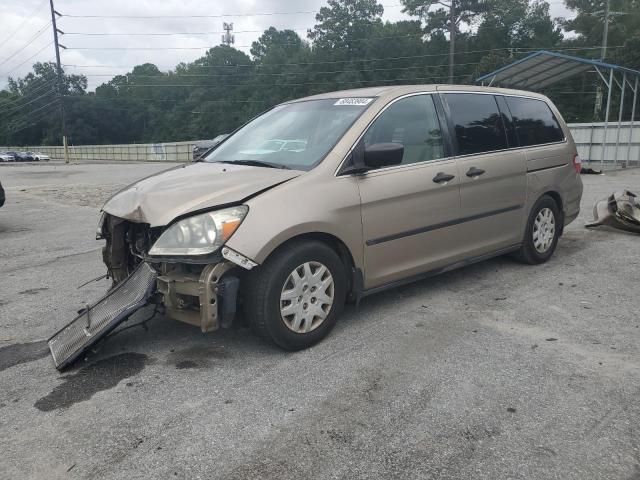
[[295, 297], [542, 233]]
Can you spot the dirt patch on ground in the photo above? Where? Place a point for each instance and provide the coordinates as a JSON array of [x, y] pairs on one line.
[[84, 196]]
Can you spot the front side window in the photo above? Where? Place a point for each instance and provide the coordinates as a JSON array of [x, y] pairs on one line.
[[295, 135], [534, 121], [412, 122], [477, 123]]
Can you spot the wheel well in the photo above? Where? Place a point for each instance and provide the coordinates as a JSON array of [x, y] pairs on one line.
[[337, 246], [557, 198]]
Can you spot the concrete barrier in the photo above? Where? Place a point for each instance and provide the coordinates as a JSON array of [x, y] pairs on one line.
[[621, 148], [142, 152]]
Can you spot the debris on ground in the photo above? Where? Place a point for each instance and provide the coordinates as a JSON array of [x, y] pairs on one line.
[[590, 171], [619, 210]]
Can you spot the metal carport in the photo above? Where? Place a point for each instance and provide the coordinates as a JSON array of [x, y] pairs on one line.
[[544, 68]]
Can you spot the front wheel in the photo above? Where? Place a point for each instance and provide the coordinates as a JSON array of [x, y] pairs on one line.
[[295, 297], [542, 233]]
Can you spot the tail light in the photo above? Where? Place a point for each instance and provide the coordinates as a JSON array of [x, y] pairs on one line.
[[577, 163]]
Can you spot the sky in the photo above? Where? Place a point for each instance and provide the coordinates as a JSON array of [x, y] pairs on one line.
[[26, 34]]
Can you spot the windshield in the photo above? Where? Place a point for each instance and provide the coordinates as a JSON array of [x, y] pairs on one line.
[[296, 135]]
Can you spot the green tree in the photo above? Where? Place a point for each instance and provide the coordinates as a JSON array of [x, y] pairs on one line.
[[343, 24], [436, 14], [31, 113]]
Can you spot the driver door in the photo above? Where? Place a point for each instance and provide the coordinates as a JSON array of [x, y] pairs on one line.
[[409, 210]]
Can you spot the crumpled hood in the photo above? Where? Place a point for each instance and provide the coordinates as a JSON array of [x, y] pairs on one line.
[[160, 198]]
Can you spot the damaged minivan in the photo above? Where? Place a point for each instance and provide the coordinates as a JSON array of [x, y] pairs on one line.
[[331, 198]]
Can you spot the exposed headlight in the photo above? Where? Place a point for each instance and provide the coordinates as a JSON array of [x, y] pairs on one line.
[[200, 234]]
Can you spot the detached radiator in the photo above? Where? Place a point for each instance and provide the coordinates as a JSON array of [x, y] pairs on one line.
[[103, 316]]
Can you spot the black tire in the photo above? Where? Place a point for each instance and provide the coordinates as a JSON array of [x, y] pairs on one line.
[[528, 252], [264, 284]]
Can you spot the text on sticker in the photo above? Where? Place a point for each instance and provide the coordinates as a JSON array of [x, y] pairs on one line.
[[359, 101]]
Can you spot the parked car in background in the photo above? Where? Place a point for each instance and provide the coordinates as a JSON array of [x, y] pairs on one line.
[[202, 147], [24, 157], [7, 157], [39, 157]]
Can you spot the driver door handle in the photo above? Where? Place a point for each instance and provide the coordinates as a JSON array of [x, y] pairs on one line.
[[474, 172], [443, 177]]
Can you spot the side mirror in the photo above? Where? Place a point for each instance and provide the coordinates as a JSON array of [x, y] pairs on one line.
[[383, 155]]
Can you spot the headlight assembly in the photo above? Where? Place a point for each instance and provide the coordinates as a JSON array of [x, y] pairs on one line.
[[201, 234]]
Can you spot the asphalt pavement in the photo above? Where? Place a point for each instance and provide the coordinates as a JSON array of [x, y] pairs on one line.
[[495, 371]]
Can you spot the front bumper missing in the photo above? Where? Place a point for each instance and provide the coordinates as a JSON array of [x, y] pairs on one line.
[[206, 300], [99, 319]]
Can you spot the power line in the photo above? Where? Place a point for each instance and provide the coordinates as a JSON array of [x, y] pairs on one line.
[[162, 100], [28, 121], [32, 56], [283, 44], [259, 14], [407, 57], [251, 74], [29, 42], [28, 114], [30, 97], [134, 85], [36, 91], [31, 112], [16, 108], [26, 20], [286, 44], [167, 34]]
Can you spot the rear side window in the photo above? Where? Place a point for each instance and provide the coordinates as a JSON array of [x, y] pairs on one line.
[[534, 121], [477, 123]]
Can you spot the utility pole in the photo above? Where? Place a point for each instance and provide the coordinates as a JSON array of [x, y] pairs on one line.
[[59, 68], [603, 53], [605, 32], [227, 38], [452, 38]]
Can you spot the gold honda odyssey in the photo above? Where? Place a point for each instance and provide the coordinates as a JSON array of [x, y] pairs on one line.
[[331, 198]]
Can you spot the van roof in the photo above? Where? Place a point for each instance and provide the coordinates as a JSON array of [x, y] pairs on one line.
[[392, 91]]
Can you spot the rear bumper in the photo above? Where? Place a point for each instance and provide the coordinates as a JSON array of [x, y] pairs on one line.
[[572, 199], [568, 218], [572, 209]]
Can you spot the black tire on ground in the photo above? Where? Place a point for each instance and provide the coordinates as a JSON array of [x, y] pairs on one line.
[[528, 252], [263, 287]]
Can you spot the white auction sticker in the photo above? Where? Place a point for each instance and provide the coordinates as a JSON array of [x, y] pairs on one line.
[[358, 101]]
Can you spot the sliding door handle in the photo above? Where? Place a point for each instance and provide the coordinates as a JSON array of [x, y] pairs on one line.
[[443, 177], [474, 172]]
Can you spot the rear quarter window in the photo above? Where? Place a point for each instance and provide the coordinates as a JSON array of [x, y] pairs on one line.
[[534, 121]]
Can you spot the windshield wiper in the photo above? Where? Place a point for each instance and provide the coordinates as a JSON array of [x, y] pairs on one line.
[[256, 163]]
